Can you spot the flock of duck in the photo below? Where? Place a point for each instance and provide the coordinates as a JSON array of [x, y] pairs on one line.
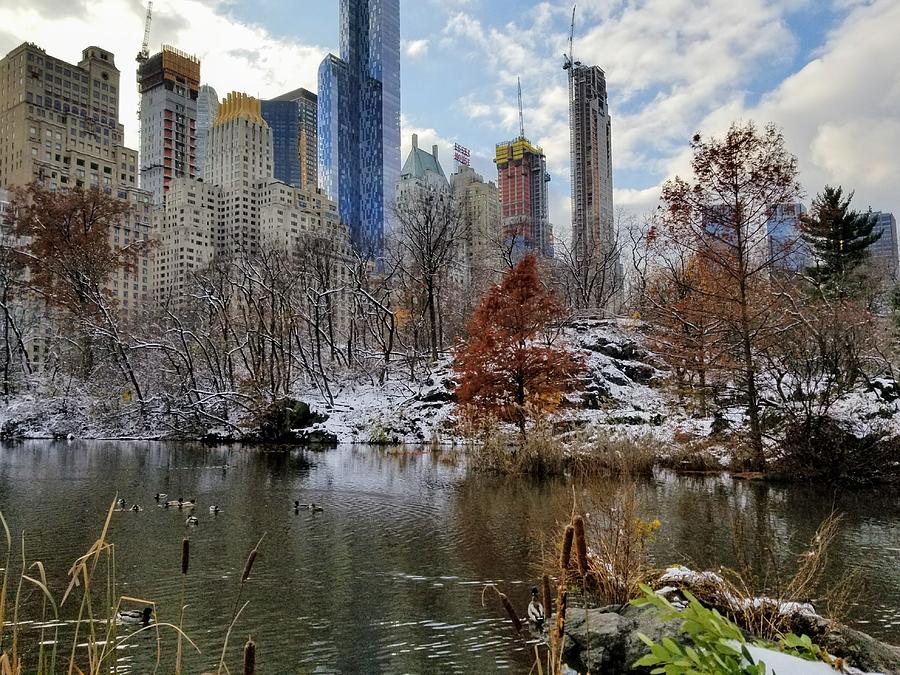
[[190, 504], [144, 617]]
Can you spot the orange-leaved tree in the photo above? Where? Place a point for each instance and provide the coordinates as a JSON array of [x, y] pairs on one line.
[[509, 368]]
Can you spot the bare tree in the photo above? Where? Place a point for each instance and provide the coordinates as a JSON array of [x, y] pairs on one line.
[[428, 245], [721, 214]]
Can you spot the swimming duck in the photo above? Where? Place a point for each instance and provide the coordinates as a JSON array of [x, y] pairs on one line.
[[192, 520], [298, 505], [315, 508], [120, 503], [214, 509], [161, 496], [535, 609], [136, 508], [136, 616]]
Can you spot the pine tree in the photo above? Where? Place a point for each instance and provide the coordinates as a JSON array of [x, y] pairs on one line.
[[840, 239], [507, 368]]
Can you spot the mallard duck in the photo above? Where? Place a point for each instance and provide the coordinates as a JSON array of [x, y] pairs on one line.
[[315, 508], [192, 520], [120, 503], [136, 616], [214, 509], [161, 496], [535, 609], [136, 508], [298, 506]]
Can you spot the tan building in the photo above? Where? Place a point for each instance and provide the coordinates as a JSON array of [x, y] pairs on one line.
[[59, 125], [480, 204]]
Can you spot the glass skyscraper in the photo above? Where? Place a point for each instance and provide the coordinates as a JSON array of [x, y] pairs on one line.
[[283, 118], [359, 120]]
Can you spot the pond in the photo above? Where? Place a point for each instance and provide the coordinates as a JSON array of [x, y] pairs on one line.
[[388, 577]]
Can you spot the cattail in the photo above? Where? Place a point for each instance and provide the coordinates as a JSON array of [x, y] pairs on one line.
[[249, 566], [250, 657], [517, 622], [567, 548], [185, 555], [580, 545], [561, 614], [545, 586]]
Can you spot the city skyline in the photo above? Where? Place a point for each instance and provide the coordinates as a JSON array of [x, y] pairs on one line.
[[823, 71]]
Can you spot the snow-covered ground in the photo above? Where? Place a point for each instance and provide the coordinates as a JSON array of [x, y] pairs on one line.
[[622, 394]]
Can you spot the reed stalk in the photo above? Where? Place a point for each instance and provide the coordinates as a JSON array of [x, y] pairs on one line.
[[185, 565]]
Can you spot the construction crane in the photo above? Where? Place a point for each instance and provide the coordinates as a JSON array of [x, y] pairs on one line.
[[569, 59], [144, 54], [142, 57], [521, 114]]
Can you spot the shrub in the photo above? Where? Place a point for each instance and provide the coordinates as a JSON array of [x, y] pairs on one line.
[[828, 451]]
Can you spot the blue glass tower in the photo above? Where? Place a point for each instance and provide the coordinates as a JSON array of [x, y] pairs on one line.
[[359, 120], [283, 118]]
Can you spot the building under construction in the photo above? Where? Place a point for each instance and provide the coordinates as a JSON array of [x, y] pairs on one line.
[[524, 200], [594, 239], [169, 83]]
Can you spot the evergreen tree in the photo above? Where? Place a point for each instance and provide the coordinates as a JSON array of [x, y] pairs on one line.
[[839, 238]]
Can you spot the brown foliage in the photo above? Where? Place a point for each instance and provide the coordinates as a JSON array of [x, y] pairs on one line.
[[69, 252], [508, 368]]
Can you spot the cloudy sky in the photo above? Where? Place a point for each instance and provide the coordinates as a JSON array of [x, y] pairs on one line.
[[824, 70]]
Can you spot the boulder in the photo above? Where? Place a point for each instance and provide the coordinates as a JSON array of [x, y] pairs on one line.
[[605, 640], [862, 651]]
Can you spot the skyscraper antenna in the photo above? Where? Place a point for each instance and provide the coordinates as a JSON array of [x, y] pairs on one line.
[[521, 115]]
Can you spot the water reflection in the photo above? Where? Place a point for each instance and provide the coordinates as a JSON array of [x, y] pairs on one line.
[[388, 577]]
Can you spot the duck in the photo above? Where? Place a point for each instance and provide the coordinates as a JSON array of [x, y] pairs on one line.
[[120, 503], [192, 520], [214, 509], [535, 609], [136, 508], [315, 508], [298, 505], [160, 496], [136, 616]]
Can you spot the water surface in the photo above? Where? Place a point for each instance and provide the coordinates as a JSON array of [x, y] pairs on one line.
[[388, 579]]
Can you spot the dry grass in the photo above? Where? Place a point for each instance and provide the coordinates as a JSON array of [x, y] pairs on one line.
[[93, 588], [541, 454], [761, 601]]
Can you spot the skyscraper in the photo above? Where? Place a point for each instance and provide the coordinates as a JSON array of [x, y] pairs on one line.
[[593, 230], [207, 109], [787, 249], [359, 119], [283, 119], [883, 254], [169, 84], [524, 197], [308, 121]]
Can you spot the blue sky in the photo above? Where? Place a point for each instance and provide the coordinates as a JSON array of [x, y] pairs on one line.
[[824, 70]]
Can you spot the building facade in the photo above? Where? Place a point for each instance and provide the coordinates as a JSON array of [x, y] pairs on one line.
[[522, 180], [283, 118], [308, 141], [207, 109], [169, 85], [594, 237], [359, 119], [59, 126], [240, 207]]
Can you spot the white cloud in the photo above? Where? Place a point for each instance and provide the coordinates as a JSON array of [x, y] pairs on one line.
[[234, 55], [414, 48]]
